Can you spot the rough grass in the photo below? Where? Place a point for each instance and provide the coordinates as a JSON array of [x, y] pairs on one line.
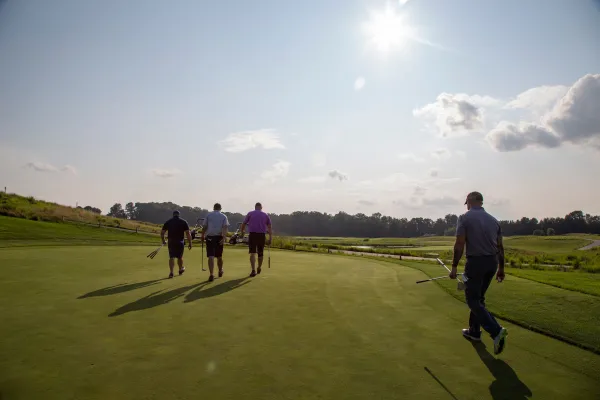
[[576, 281], [569, 315], [548, 244], [13, 205], [100, 323], [20, 232]]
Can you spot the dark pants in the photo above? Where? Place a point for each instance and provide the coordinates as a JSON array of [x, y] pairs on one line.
[[214, 248], [479, 272], [176, 249], [256, 243]]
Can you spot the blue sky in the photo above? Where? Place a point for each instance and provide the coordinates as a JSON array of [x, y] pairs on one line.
[[362, 106]]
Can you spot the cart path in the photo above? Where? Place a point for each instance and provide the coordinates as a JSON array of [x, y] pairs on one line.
[[592, 245]]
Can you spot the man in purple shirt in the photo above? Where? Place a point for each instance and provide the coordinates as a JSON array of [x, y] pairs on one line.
[[258, 223]]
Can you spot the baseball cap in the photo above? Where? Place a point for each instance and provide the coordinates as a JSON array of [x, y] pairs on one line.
[[175, 212], [476, 196]]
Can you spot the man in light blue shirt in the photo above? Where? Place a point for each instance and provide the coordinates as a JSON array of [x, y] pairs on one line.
[[214, 231]]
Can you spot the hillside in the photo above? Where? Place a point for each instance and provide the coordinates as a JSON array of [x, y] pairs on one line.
[[22, 232], [13, 205]]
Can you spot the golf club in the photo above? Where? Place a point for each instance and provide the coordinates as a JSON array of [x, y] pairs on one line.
[[433, 279], [199, 222], [461, 284], [269, 259], [155, 252]]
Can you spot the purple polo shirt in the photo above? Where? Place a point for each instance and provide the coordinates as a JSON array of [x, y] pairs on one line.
[[257, 221]]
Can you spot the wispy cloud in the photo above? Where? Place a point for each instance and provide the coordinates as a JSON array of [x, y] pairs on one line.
[[277, 171], [335, 174], [267, 139], [313, 179], [165, 173], [441, 153], [366, 203], [359, 83], [410, 157], [434, 173], [44, 167]]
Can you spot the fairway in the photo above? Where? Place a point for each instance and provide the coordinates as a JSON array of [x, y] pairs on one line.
[[103, 323]]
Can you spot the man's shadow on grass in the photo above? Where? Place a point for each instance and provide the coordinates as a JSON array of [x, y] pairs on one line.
[[216, 290], [120, 288], [155, 299], [159, 297], [507, 384]]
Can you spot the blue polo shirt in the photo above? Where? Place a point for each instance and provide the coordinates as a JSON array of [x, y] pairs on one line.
[[481, 230]]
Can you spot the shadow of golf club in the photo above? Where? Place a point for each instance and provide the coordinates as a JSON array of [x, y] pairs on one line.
[[120, 288], [440, 382], [198, 293], [507, 384], [155, 299]]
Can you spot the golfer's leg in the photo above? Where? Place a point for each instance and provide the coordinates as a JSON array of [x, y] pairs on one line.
[[180, 263], [211, 264], [488, 277], [479, 314], [220, 263], [171, 263]]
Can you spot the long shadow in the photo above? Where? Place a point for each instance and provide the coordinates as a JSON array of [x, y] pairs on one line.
[[120, 288], [155, 299], [507, 384], [216, 290]]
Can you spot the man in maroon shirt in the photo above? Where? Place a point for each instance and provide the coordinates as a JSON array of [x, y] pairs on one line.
[[258, 223]]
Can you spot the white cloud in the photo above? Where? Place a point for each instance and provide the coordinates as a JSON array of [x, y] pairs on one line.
[[335, 174], [410, 157], [359, 83], [457, 114], [434, 173], [165, 173], [44, 167], [238, 142], [279, 170], [442, 201], [538, 98], [574, 119], [313, 179], [419, 191], [460, 153], [441, 153]]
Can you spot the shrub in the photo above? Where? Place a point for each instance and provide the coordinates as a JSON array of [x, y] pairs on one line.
[[550, 232], [538, 232]]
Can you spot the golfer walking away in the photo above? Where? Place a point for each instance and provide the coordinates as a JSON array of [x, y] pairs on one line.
[[177, 228], [481, 234], [215, 231], [258, 223]]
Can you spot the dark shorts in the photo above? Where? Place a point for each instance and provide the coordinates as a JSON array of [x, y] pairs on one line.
[[256, 243], [213, 246], [176, 250]]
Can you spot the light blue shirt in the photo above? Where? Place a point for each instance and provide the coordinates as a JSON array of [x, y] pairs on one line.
[[214, 223]]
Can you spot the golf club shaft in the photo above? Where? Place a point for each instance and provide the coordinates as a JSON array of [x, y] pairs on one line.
[[433, 279]]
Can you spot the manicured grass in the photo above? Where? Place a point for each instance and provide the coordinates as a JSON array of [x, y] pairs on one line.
[[100, 323], [576, 281], [22, 232], [570, 315], [548, 244]]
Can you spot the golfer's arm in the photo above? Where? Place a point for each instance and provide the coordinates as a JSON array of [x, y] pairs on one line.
[[189, 236], [162, 235], [500, 252], [242, 228], [270, 230], [224, 231], [459, 246]]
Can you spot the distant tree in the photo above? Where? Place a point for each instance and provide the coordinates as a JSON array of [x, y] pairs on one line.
[[117, 211], [93, 209], [538, 232], [130, 210], [550, 232]]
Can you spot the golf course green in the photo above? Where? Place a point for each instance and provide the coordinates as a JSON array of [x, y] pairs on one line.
[[102, 322]]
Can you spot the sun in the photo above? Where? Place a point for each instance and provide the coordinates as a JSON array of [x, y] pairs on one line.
[[388, 29]]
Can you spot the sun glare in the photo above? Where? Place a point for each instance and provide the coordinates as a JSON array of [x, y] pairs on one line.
[[387, 29]]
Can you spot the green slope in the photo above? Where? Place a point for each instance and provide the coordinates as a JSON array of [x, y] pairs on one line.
[[99, 322], [22, 232]]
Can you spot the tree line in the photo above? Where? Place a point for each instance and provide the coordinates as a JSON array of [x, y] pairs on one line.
[[312, 223]]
